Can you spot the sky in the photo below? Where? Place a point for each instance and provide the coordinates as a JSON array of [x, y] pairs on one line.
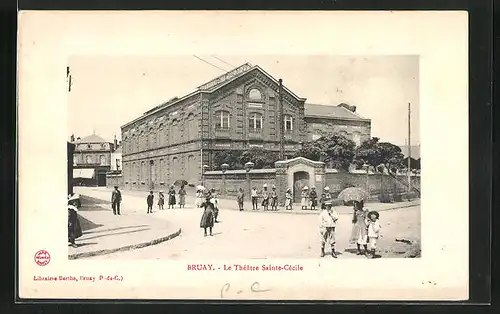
[[109, 91]]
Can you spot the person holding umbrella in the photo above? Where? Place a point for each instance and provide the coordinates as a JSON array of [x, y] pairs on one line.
[[74, 228], [304, 200]]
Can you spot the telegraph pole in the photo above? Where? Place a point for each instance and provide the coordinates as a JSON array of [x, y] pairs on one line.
[[68, 77], [409, 148], [282, 126]]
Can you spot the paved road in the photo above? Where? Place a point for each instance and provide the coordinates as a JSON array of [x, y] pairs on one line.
[[261, 235]]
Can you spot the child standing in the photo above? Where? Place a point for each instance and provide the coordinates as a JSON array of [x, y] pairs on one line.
[[313, 196], [327, 221], [373, 231], [274, 199], [265, 198], [161, 200], [304, 198], [150, 200], [239, 198], [255, 196], [288, 199]]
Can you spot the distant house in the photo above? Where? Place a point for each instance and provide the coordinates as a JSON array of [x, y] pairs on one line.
[[91, 160]]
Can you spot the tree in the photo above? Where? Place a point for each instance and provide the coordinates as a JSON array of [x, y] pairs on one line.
[[230, 157], [261, 158], [336, 150], [375, 153]]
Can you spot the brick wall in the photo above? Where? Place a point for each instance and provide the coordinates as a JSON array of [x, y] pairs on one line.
[[114, 179], [229, 183]]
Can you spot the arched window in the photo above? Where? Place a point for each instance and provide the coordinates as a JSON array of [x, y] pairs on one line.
[[255, 121], [102, 159], [161, 136], [222, 120], [173, 133], [254, 94], [89, 159], [151, 138], [288, 123]]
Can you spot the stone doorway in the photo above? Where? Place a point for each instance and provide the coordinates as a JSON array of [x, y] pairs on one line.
[[300, 179]]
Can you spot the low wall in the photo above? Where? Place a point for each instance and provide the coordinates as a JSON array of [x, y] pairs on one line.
[[114, 179], [229, 182]]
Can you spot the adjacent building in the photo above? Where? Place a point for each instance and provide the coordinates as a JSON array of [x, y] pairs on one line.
[[235, 111], [92, 160]]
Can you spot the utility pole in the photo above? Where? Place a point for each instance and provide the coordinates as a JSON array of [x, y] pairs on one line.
[[409, 148], [281, 123], [68, 77]]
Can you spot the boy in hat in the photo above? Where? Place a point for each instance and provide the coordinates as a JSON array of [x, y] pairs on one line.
[[373, 231], [326, 197], [150, 200], [116, 198], [327, 221]]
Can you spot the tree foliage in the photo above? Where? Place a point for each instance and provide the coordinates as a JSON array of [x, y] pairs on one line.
[[237, 159], [374, 153], [335, 150]]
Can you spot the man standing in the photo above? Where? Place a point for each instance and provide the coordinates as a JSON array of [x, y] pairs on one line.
[[327, 221], [150, 200], [116, 198]]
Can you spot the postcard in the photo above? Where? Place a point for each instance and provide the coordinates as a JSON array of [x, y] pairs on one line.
[[243, 155]]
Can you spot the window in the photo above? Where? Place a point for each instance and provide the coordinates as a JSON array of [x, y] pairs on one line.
[[255, 121], [288, 123], [89, 146], [161, 136], [151, 138], [103, 160], [255, 94], [118, 165], [89, 159], [222, 120], [75, 160]]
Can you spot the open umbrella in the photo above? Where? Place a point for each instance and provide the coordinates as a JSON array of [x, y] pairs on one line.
[[200, 187], [353, 194], [180, 182]]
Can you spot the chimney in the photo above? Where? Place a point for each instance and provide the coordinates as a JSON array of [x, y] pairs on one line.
[[346, 106], [116, 142]]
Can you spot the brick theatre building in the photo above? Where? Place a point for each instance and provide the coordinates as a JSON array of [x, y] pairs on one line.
[[235, 111]]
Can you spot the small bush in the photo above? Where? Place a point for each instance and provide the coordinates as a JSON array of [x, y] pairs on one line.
[[385, 198], [398, 197]]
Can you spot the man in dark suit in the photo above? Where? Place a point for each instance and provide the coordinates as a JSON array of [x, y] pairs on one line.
[[116, 198], [150, 200]]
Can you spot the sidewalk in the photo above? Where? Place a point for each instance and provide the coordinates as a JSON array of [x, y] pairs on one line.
[[228, 204], [105, 233]]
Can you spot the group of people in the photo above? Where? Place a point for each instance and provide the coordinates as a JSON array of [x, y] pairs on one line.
[[172, 200], [365, 229]]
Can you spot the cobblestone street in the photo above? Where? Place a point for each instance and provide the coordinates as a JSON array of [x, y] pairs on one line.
[[260, 235]]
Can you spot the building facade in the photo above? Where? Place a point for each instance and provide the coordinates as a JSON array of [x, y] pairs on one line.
[[236, 111], [91, 160]]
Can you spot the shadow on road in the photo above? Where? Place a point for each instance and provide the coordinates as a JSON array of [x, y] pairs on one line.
[[114, 229], [117, 233], [87, 224]]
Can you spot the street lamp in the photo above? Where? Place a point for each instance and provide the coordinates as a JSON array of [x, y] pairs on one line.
[[203, 170], [249, 166]]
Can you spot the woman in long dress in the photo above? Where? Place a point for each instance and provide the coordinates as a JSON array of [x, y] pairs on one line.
[[182, 197], [171, 197], [207, 219], [74, 228], [265, 198], [304, 200], [359, 234]]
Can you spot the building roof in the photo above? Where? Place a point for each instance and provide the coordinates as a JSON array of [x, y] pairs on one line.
[[119, 149], [93, 139], [415, 151], [330, 111]]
